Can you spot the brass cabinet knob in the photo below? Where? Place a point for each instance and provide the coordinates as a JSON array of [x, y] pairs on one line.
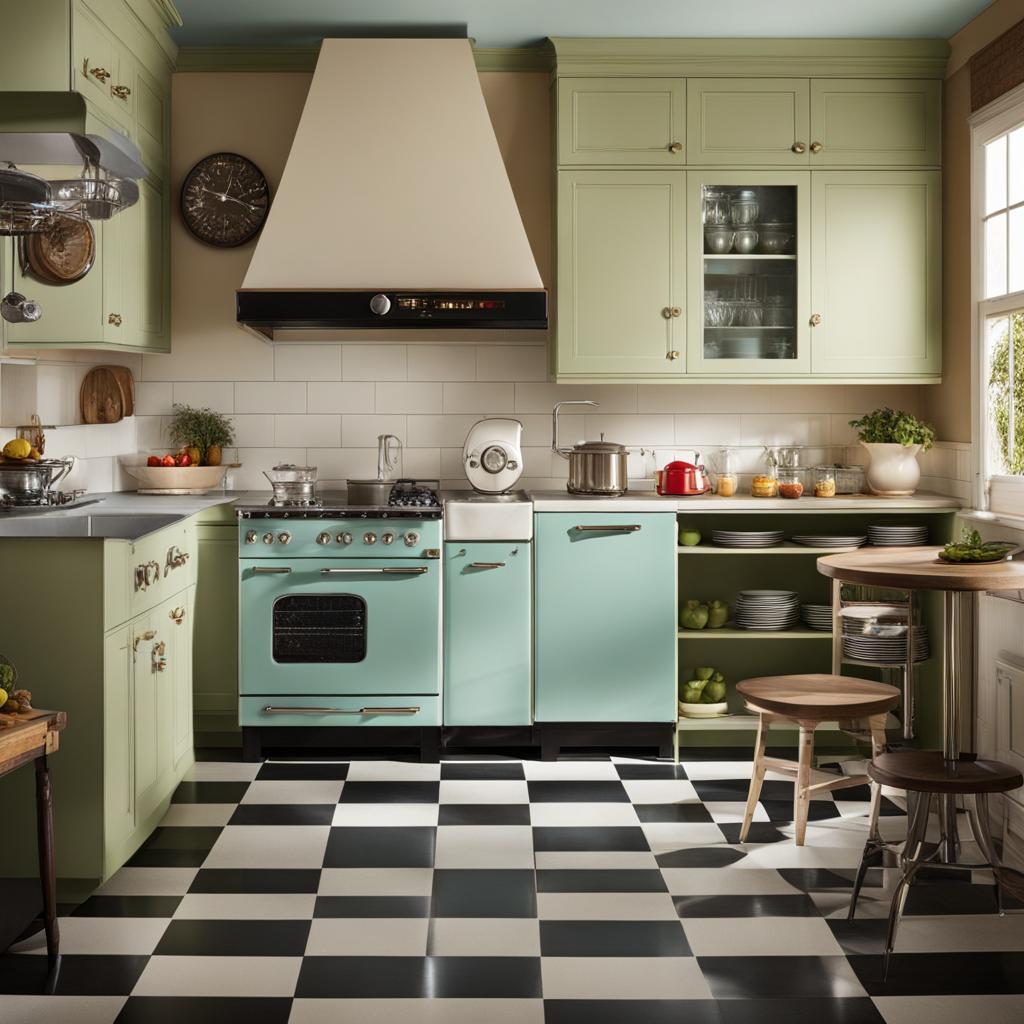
[[674, 354], [177, 614], [100, 74], [816, 147], [667, 312], [799, 147], [675, 147], [122, 92], [815, 319], [114, 319], [675, 311]]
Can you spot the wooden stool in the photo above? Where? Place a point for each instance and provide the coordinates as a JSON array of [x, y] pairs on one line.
[[809, 700], [928, 775]]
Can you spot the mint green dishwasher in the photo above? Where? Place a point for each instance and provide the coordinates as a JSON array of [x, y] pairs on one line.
[[605, 614], [488, 648]]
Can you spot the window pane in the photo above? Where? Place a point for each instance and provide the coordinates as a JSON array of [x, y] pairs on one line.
[[995, 174], [997, 345], [995, 255], [1016, 270], [1017, 165]]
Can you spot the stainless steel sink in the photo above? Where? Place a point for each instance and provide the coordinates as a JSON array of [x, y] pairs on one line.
[[471, 516], [112, 526]]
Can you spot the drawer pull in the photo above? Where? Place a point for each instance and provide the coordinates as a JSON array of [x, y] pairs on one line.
[[624, 528], [392, 570], [486, 565], [271, 710], [100, 74], [270, 570], [122, 92]]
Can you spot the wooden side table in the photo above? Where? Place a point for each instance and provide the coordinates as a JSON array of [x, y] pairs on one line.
[[33, 738]]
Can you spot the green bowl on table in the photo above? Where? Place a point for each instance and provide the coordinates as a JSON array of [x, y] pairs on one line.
[[972, 550]]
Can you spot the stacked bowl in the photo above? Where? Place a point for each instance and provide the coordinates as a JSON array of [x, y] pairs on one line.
[[898, 536], [767, 610]]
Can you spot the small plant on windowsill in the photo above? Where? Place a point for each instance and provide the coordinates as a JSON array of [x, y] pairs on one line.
[[893, 439], [202, 432], [1002, 395]]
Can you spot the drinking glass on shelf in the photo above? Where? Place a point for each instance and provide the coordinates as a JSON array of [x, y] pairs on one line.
[[776, 315], [716, 206], [743, 207]]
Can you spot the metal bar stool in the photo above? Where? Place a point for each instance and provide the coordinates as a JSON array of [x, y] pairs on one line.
[[809, 700], [930, 777]]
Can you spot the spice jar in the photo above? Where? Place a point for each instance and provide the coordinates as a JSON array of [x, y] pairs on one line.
[[825, 482], [728, 479], [790, 484], [764, 486]]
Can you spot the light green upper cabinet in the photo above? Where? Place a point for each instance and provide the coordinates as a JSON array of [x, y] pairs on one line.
[[632, 122], [876, 279], [733, 122], [621, 273], [875, 122]]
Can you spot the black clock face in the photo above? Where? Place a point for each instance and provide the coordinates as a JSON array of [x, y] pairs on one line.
[[224, 199]]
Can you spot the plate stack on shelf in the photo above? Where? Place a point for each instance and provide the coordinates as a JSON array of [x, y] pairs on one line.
[[878, 634], [817, 616], [829, 540], [898, 536], [747, 538], [767, 610]]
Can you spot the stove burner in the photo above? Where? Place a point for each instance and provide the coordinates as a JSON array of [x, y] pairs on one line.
[[296, 503]]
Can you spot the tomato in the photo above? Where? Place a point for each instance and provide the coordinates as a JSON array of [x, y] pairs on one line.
[[184, 459], [167, 460], [153, 460]]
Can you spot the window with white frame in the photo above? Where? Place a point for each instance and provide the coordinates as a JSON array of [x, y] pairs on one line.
[[999, 287]]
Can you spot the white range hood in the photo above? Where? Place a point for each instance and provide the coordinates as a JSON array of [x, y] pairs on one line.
[[394, 209]]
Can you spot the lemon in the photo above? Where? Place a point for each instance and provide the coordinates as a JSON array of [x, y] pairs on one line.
[[3, 696], [19, 448]]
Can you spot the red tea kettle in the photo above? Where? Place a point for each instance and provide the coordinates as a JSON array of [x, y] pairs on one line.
[[683, 478]]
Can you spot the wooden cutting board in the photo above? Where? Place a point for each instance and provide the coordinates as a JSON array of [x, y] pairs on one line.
[[127, 382], [102, 399]]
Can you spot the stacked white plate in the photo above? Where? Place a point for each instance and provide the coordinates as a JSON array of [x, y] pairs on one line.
[[898, 536], [817, 616], [767, 610], [747, 538], [829, 540], [885, 650]]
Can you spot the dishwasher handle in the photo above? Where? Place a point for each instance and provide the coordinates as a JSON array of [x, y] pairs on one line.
[[270, 570], [384, 570], [272, 710], [616, 528]]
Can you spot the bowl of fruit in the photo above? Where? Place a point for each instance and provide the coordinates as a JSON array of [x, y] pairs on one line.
[[704, 695], [971, 549], [175, 473]]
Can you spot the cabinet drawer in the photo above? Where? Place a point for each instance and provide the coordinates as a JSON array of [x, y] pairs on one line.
[[158, 552], [747, 121], [637, 122], [389, 710], [96, 55]]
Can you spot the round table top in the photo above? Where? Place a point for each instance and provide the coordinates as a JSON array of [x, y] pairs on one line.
[[919, 568], [819, 696]]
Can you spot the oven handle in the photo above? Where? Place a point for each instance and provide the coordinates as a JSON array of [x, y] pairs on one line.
[[270, 570], [617, 528], [271, 710], [486, 565], [392, 570]]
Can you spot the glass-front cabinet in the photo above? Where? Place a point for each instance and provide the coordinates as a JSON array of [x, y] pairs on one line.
[[748, 308]]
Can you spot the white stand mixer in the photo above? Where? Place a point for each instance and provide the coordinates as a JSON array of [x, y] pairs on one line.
[[493, 455]]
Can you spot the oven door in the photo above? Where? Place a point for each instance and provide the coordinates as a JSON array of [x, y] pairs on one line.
[[340, 626]]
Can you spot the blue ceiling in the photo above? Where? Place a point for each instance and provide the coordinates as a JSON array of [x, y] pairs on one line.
[[525, 22]]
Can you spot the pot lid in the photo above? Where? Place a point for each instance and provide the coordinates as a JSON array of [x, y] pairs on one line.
[[29, 464], [599, 446]]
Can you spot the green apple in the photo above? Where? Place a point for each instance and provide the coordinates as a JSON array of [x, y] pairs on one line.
[[689, 537]]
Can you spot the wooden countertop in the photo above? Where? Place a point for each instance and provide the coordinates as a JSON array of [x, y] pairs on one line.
[[919, 568], [33, 732]]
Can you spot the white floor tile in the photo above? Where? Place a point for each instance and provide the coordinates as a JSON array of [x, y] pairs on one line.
[[269, 846], [470, 936], [584, 813], [289, 791], [484, 846], [376, 881], [60, 1009], [716, 882], [105, 936], [234, 906], [393, 771], [702, 771], [375, 936], [608, 977], [605, 906], [663, 837], [787, 855], [478, 791], [385, 814], [417, 1011], [198, 814], [222, 771], [621, 860], [570, 770], [732, 811], [219, 976], [992, 1009], [148, 882], [833, 832], [761, 936], [661, 791], [958, 933]]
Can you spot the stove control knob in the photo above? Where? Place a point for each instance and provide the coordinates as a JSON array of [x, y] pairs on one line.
[[284, 538], [369, 538], [387, 538], [250, 537], [344, 538], [268, 538], [412, 538], [323, 538]]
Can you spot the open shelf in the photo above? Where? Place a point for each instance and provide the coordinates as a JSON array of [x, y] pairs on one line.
[[732, 633], [749, 256], [787, 548], [752, 327]]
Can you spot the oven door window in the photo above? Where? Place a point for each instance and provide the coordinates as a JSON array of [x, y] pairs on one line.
[[319, 629]]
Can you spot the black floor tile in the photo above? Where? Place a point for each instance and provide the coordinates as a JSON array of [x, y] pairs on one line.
[[736, 790], [612, 938], [819, 879], [613, 838], [257, 880], [793, 977], [479, 771], [795, 1011], [863, 793], [817, 810], [484, 814], [700, 857], [864, 935], [127, 906], [411, 977], [372, 906], [797, 905], [175, 848], [760, 832], [283, 814], [951, 897], [919, 974], [652, 770], [694, 812], [600, 880], [577, 791], [366, 847], [196, 1010], [209, 792], [483, 893], [234, 938], [302, 771], [76, 975], [390, 793], [633, 1011]]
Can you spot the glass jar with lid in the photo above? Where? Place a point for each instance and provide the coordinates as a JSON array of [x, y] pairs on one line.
[[716, 206], [791, 483], [744, 208], [825, 482], [728, 479], [766, 484]]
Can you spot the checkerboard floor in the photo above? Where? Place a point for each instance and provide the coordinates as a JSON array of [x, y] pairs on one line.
[[484, 892]]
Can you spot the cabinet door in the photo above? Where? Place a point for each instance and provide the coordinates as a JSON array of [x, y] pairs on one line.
[[145, 269], [1010, 715], [118, 738], [875, 122], [876, 278], [621, 271], [487, 632], [605, 617], [748, 312], [154, 657], [95, 54], [638, 122], [181, 623], [753, 121]]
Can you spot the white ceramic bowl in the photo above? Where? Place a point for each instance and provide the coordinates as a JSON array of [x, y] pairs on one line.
[[703, 710], [176, 479]]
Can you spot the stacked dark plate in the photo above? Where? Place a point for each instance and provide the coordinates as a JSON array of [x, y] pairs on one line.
[[898, 536], [878, 634], [767, 610], [747, 538], [817, 616]]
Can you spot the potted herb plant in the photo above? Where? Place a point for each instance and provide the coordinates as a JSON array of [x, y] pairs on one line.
[[893, 439], [202, 432]]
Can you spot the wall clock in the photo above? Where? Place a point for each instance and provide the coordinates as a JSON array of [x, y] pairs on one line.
[[224, 200]]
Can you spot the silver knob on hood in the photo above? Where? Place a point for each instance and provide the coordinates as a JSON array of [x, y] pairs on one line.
[[380, 304]]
